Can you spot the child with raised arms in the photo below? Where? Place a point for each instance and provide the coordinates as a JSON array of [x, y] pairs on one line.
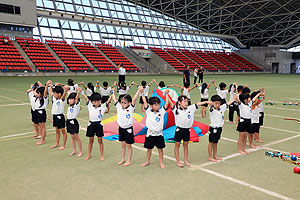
[[96, 113], [58, 105], [221, 91], [31, 92], [184, 119], [216, 115], [125, 108], [204, 97], [155, 124], [185, 90], [72, 123], [105, 91], [146, 88]]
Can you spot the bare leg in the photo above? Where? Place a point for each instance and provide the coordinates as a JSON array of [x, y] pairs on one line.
[[186, 153], [42, 130], [36, 130], [79, 145], [123, 149], [91, 142], [210, 157], [240, 142], [257, 138], [250, 138], [161, 158], [128, 162], [215, 150], [73, 144], [244, 143], [57, 138], [101, 145], [176, 152], [202, 111], [65, 136], [149, 152]]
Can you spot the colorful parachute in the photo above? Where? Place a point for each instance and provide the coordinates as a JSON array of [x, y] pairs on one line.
[[110, 126]]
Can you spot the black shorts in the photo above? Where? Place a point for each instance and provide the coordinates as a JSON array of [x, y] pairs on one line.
[[202, 100], [223, 101], [41, 116], [72, 126], [141, 100], [126, 134], [152, 141], [104, 99], [214, 134], [254, 128], [244, 125], [94, 128], [59, 121], [34, 117], [121, 78], [189, 102], [261, 118], [182, 134]]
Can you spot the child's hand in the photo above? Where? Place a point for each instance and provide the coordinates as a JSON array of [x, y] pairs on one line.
[[167, 91], [56, 84], [246, 86], [67, 88], [79, 89], [48, 82], [153, 79], [235, 83], [97, 82], [81, 82]]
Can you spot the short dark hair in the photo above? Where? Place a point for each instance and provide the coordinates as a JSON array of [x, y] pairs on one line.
[[186, 84], [246, 90], [154, 100], [122, 85], [222, 85], [95, 97], [216, 98], [143, 83], [240, 88], [243, 97], [254, 94], [127, 97], [161, 84], [72, 96], [70, 82], [58, 89], [105, 84], [182, 97]]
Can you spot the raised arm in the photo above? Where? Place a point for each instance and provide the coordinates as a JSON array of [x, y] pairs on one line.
[[30, 89], [201, 103], [133, 83], [79, 90], [168, 100], [66, 88], [114, 96], [155, 82], [192, 88], [150, 83], [175, 85], [213, 82], [113, 85], [81, 83], [108, 101], [144, 99], [46, 88], [84, 96], [136, 96], [59, 84], [233, 100]]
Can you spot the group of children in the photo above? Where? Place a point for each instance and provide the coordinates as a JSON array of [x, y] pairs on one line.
[[248, 107]]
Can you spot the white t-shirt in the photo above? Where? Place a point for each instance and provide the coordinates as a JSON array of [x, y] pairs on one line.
[[255, 115], [232, 93], [245, 111], [124, 116], [121, 91], [185, 118], [32, 100], [37, 104], [155, 121], [122, 71], [261, 107], [72, 88], [217, 116], [96, 114], [146, 90], [195, 73], [89, 92], [105, 92], [222, 93], [58, 106], [186, 92], [73, 111], [205, 93]]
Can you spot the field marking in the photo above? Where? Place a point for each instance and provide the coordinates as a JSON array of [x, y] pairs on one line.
[[279, 129], [8, 105], [20, 134], [27, 136], [13, 90], [293, 99], [282, 108]]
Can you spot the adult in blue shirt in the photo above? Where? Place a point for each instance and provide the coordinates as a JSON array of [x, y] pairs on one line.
[[186, 75]]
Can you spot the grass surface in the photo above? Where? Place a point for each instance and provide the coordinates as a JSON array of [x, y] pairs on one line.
[[38, 172]]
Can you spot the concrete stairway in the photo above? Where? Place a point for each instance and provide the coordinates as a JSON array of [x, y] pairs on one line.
[[57, 57], [25, 56]]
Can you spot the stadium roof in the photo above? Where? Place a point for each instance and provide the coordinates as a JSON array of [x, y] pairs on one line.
[[253, 22]]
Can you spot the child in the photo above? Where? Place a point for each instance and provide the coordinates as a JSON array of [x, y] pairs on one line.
[[31, 94], [90, 89], [125, 108], [244, 122], [184, 119], [96, 113], [257, 98], [72, 123], [105, 91], [195, 75], [72, 87], [155, 123], [123, 89], [222, 92], [235, 106], [186, 90], [146, 92], [204, 97], [58, 106], [40, 105], [216, 115], [261, 119], [160, 85]]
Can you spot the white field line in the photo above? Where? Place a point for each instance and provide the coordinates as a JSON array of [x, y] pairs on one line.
[[293, 99], [20, 134], [282, 108], [279, 116], [20, 92], [8, 105]]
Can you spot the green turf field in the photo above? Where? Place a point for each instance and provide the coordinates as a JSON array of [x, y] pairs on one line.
[[38, 172]]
